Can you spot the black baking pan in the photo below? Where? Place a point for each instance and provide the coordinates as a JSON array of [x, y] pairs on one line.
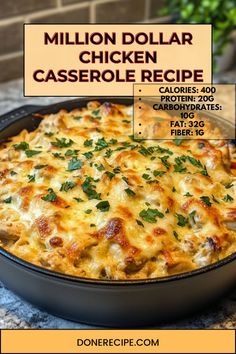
[[129, 303]]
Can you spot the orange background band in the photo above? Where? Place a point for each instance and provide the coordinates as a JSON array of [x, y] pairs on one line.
[[170, 341]]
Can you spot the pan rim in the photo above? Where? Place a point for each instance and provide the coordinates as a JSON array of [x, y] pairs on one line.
[[103, 282]]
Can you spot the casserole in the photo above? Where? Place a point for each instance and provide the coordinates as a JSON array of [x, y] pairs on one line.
[[149, 296]]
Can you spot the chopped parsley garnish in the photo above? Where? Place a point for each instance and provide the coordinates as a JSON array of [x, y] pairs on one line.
[[101, 144], [164, 161], [176, 235], [103, 206], [7, 200], [178, 142], [39, 167], [228, 185], [144, 151], [77, 117], [178, 167], [21, 146], [62, 143], [89, 189], [13, 173], [120, 148], [150, 215], [110, 174], [126, 121], [116, 169], [49, 134], [214, 199], [96, 113], [30, 153], [31, 178], [227, 198], [158, 173], [79, 200], [125, 179], [66, 186], [191, 217], [139, 223], [108, 153], [173, 189], [146, 176], [88, 142], [58, 155], [130, 192], [88, 211], [182, 220], [180, 159], [88, 155], [71, 152], [188, 194], [194, 161], [206, 200], [204, 172], [74, 164], [50, 197], [161, 150], [99, 167], [112, 141]]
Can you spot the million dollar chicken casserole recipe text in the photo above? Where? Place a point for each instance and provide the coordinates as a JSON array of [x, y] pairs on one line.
[[81, 196]]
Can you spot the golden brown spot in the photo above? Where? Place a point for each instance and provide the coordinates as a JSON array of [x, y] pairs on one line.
[[233, 165], [57, 217], [168, 257], [170, 202], [56, 241], [114, 230], [231, 213], [133, 251], [134, 180], [59, 202], [114, 227], [198, 190], [125, 211], [157, 187], [50, 169], [125, 155], [158, 231], [73, 251], [25, 190], [3, 173], [42, 224], [26, 165], [149, 239], [26, 193]]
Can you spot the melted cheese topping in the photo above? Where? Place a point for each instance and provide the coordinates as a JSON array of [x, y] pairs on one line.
[[80, 196]]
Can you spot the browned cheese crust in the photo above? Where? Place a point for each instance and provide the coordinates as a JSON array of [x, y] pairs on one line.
[[81, 196]]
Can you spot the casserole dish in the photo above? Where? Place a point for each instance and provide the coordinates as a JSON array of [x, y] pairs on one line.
[[109, 302]]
